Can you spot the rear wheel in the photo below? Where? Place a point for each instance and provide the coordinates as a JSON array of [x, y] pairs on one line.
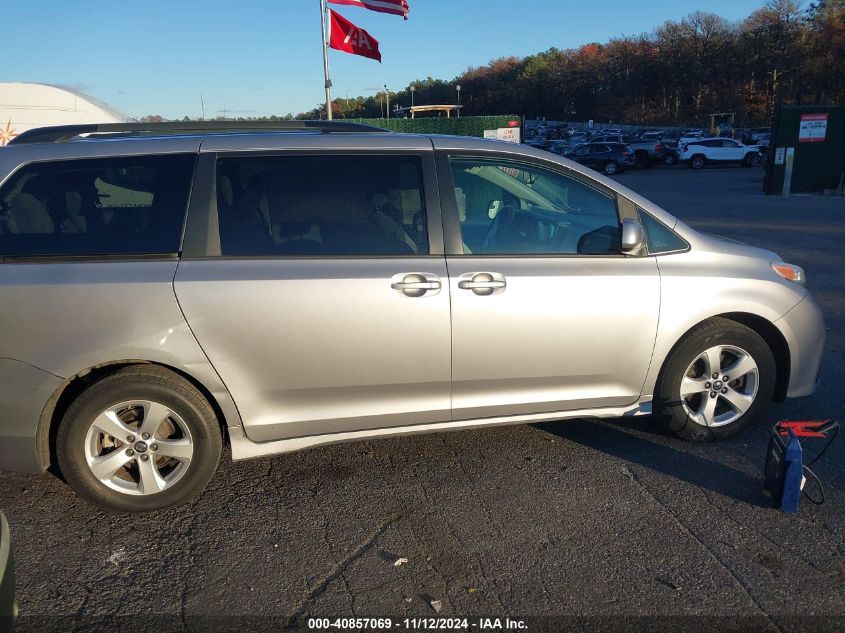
[[697, 162], [718, 379], [611, 167], [139, 440]]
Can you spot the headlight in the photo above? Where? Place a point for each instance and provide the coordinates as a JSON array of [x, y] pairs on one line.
[[790, 272]]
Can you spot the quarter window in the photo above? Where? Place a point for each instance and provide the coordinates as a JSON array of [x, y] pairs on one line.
[[659, 237], [96, 207], [513, 208], [321, 205]]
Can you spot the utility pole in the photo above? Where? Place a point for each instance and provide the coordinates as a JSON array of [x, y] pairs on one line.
[[326, 61], [387, 93]]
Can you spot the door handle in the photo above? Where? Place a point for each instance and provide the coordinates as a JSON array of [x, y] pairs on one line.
[[482, 284], [416, 284], [472, 285]]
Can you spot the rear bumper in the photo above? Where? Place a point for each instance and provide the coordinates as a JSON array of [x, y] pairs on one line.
[[804, 330], [24, 390]]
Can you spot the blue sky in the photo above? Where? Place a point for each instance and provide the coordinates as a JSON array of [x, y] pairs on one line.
[[256, 57]]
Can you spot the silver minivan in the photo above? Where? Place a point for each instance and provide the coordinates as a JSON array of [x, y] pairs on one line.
[[168, 288]]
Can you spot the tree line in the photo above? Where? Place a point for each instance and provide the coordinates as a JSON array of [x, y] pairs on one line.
[[678, 74]]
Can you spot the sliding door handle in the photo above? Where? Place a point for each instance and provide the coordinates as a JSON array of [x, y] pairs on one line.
[[482, 284]]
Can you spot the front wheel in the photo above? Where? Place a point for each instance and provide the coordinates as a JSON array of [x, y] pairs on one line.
[[611, 167], [751, 160], [140, 439], [717, 380]]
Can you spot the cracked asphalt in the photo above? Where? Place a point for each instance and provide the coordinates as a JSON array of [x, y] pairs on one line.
[[578, 525]]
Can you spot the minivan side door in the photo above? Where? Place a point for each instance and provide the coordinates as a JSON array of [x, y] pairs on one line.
[[317, 286], [547, 314]]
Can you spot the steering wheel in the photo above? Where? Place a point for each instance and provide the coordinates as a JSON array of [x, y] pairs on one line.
[[499, 225]]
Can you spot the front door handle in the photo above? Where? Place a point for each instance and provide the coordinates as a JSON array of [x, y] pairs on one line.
[[482, 284], [416, 284]]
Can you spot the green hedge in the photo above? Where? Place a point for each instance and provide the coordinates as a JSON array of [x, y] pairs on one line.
[[464, 126]]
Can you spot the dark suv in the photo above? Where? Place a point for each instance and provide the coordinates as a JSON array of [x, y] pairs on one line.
[[610, 158]]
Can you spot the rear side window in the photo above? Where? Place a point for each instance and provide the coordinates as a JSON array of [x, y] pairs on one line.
[[321, 205], [96, 207]]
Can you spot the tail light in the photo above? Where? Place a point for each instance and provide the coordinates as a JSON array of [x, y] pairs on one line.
[[658, 148], [626, 153]]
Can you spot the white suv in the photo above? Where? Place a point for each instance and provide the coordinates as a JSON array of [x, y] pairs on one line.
[[717, 150]]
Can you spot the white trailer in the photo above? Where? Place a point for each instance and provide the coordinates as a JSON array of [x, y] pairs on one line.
[[24, 106]]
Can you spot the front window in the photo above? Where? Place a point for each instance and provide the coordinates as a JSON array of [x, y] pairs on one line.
[[513, 208]]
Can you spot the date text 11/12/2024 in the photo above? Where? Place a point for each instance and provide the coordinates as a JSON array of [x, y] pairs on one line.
[[421, 624]]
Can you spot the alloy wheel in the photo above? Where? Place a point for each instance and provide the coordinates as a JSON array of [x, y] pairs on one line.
[[138, 447], [720, 385]]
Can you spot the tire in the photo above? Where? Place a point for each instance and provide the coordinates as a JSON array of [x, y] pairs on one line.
[[182, 450], [669, 159], [697, 162], [611, 167], [751, 160], [642, 160], [688, 364]]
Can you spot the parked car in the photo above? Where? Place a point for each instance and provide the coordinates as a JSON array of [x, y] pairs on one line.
[[763, 142], [290, 285], [8, 606], [609, 158], [646, 152], [698, 153], [692, 135], [758, 133], [671, 155], [558, 147]]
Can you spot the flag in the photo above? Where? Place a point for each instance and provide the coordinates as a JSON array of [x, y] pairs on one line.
[[396, 7], [345, 36]]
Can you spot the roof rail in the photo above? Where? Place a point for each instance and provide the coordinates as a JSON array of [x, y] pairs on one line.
[[61, 133]]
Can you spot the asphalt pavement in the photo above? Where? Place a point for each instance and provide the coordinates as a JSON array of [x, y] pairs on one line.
[[578, 525]]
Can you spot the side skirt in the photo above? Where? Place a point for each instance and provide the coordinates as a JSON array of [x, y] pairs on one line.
[[244, 448]]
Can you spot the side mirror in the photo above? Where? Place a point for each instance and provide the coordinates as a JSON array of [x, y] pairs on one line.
[[633, 237]]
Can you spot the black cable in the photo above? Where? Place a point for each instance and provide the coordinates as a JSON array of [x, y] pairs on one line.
[[820, 499]]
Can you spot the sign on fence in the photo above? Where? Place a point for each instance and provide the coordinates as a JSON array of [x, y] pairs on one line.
[[509, 134], [813, 128]]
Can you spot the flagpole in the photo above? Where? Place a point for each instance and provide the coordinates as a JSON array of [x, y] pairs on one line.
[[326, 61]]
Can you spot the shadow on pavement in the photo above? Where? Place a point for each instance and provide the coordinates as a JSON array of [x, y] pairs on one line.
[[616, 441]]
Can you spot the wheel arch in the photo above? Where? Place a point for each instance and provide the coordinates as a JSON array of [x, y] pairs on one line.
[[767, 330], [58, 403]]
